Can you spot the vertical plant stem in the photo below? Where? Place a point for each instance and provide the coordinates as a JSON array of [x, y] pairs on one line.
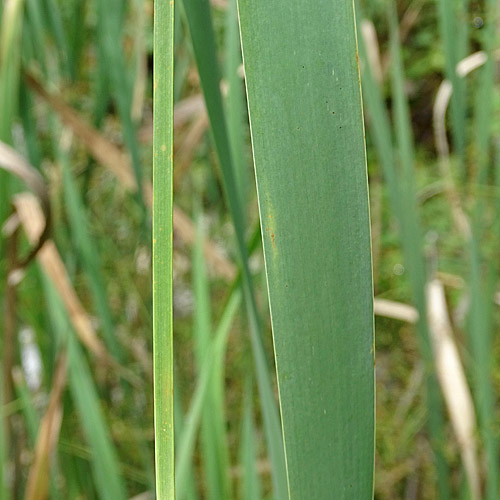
[[162, 248]]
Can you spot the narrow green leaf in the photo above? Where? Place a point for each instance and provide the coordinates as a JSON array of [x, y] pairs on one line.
[[110, 38], [399, 177], [55, 27], [105, 467], [454, 38], [29, 126], [398, 171], [162, 248], [89, 256], [190, 485], [250, 481], [213, 358], [75, 30], [30, 415], [214, 446], [203, 38], [482, 285], [235, 103], [10, 66], [307, 134], [35, 24]]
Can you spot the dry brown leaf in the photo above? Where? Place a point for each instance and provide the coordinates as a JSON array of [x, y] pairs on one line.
[[38, 478], [16, 164], [395, 310], [32, 219], [453, 383]]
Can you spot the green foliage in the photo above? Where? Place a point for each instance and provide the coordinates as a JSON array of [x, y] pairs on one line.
[[197, 349], [307, 137], [162, 248]]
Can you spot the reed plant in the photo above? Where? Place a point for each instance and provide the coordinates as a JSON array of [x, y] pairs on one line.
[[217, 149]]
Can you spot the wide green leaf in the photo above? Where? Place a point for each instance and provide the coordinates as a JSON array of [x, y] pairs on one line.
[[306, 120]]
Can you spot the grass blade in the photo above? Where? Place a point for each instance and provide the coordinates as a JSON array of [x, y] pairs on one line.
[[190, 483], [454, 41], [481, 319], [413, 250], [307, 135], [88, 255], [10, 63], [203, 38], [109, 34], [213, 439], [10, 66], [402, 196], [105, 466], [75, 30], [235, 103], [212, 359], [401, 187], [250, 483], [162, 249], [55, 26]]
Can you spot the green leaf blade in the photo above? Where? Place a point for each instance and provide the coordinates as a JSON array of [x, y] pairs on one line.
[[162, 249], [308, 144]]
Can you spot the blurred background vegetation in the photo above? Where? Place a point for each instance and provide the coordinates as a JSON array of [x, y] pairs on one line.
[[76, 133]]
